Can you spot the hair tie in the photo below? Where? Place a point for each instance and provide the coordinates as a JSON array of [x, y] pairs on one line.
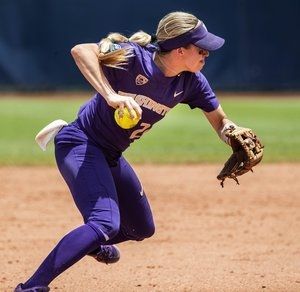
[[153, 38], [114, 47]]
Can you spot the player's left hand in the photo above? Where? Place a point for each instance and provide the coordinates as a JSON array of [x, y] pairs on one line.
[[247, 152]]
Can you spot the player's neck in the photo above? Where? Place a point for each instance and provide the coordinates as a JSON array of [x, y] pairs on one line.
[[166, 66]]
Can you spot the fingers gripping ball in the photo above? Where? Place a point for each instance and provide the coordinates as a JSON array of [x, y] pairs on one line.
[[125, 121]]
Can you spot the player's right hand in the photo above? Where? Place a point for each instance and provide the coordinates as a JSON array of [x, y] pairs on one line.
[[121, 102]]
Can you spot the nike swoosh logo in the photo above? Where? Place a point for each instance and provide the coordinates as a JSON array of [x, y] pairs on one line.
[[177, 93]]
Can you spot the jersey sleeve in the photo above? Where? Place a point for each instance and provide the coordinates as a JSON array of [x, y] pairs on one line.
[[201, 95], [132, 55], [115, 75]]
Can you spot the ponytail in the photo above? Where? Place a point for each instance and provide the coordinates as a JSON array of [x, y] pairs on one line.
[[112, 55], [170, 26]]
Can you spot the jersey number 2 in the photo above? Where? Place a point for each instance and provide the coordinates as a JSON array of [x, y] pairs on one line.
[[139, 132]]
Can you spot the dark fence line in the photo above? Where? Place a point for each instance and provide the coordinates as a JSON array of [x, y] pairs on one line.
[[261, 51]]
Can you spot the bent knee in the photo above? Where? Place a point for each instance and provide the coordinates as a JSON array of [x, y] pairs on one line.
[[146, 232], [108, 230]]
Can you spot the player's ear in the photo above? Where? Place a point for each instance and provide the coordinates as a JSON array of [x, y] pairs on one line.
[[180, 51]]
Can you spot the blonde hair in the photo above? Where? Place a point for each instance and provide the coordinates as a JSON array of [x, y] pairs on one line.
[[170, 26], [175, 24]]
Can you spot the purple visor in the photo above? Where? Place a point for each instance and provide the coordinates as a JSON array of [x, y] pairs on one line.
[[198, 36]]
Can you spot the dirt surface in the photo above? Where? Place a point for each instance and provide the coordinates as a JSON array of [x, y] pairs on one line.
[[240, 238]]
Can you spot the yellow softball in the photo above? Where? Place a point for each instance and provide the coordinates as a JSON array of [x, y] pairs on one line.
[[126, 121]]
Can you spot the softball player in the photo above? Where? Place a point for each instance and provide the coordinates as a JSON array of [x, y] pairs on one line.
[[147, 77]]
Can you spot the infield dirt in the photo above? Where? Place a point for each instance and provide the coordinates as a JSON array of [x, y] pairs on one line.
[[240, 238]]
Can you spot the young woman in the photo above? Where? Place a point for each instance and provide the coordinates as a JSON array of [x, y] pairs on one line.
[[150, 79]]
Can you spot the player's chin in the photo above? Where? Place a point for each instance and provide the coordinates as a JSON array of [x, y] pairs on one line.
[[198, 68], [201, 64]]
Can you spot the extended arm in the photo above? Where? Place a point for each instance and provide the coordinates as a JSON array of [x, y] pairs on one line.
[[86, 58], [219, 122]]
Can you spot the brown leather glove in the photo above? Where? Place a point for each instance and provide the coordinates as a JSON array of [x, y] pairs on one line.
[[247, 152]]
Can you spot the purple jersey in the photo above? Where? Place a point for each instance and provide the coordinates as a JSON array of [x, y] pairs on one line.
[[155, 93]]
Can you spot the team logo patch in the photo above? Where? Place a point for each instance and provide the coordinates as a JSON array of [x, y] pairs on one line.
[[141, 80]]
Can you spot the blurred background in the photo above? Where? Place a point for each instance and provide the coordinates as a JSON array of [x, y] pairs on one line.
[[242, 238], [258, 64], [261, 51]]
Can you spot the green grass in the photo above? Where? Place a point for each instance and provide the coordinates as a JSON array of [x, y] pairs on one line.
[[184, 136], [20, 121]]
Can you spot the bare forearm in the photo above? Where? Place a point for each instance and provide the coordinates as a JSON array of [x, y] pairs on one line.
[[85, 56], [219, 122]]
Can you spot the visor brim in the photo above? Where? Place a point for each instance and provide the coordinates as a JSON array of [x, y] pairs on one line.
[[210, 42]]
